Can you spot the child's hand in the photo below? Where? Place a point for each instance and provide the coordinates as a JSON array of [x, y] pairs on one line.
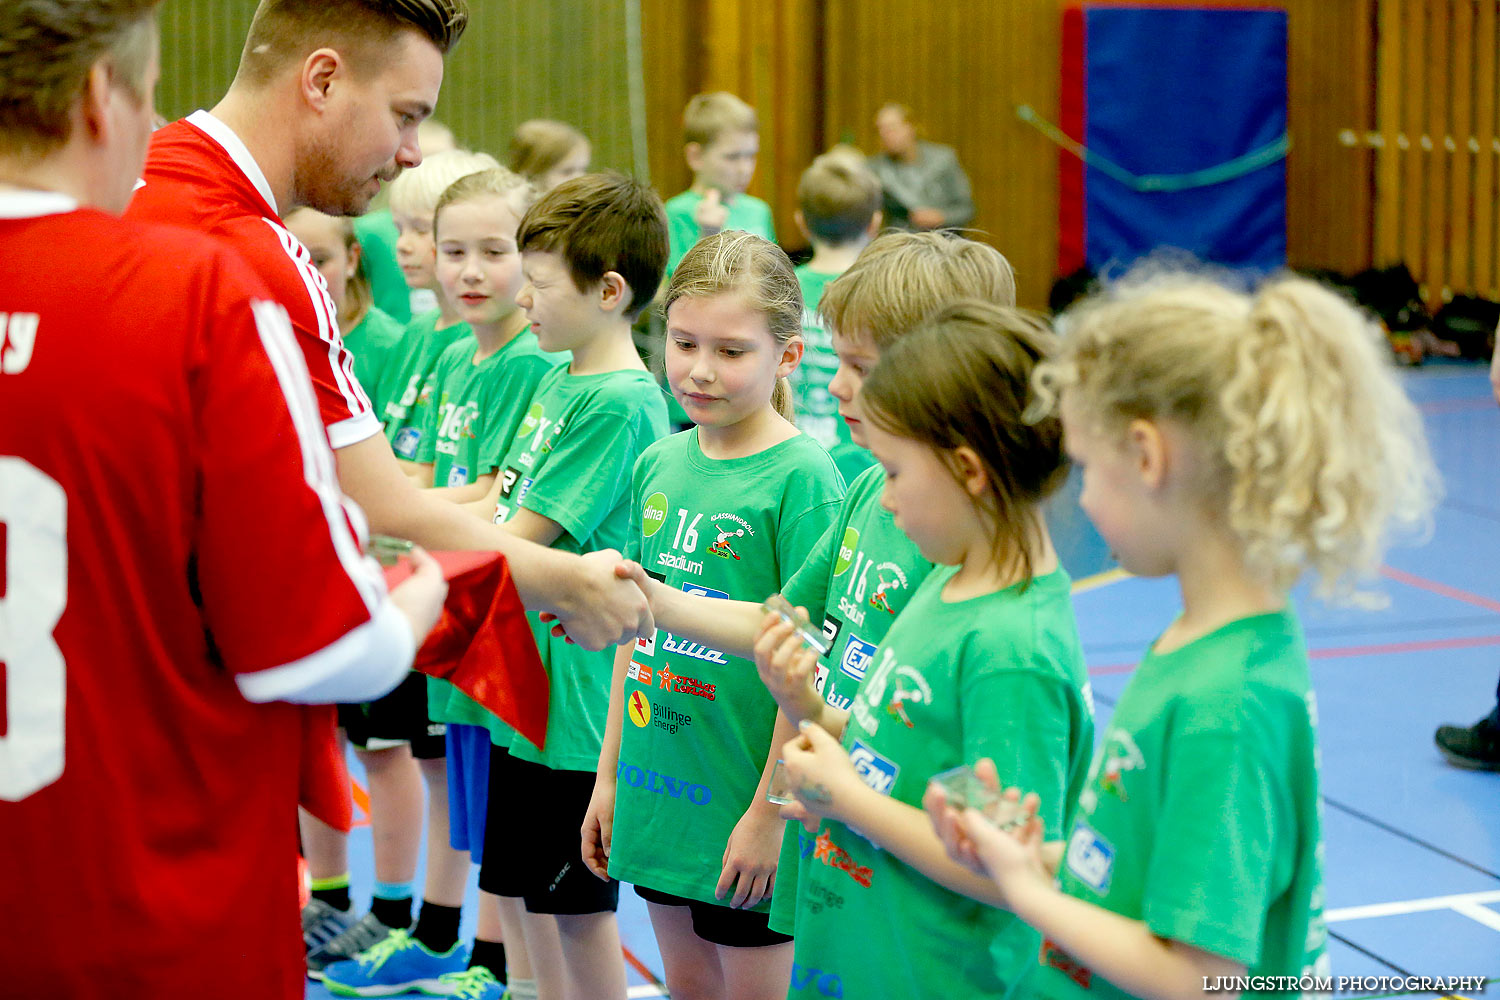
[[787, 668], [1009, 847], [598, 827], [604, 609], [711, 213], [818, 769], [926, 218], [946, 819], [420, 596], [625, 569], [750, 857]]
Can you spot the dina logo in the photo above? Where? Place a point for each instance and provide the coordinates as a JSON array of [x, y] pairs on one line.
[[654, 514], [847, 549]]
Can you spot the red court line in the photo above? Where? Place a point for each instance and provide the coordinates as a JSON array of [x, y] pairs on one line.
[[1441, 589], [641, 968], [1343, 652]]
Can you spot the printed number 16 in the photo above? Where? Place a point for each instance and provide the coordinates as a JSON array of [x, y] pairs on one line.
[[687, 534]]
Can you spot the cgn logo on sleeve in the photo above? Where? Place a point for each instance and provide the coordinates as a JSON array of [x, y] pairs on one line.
[[857, 657], [1091, 858], [873, 769]]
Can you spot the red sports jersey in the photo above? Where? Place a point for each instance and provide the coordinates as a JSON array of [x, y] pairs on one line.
[[199, 175], [171, 535]]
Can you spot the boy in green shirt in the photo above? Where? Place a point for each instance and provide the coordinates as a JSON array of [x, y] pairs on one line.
[[594, 249], [839, 213], [722, 136], [406, 383]]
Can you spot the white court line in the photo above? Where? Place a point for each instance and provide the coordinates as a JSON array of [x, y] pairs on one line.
[[1485, 916], [643, 992], [1468, 899]]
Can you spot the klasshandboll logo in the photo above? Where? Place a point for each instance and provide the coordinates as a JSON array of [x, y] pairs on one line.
[[654, 515], [846, 551]]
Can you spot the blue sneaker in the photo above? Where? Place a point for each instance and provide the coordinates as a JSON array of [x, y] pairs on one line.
[[478, 983], [399, 964]]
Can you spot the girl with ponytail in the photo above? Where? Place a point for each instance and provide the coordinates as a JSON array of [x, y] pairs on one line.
[[1234, 441], [728, 509]]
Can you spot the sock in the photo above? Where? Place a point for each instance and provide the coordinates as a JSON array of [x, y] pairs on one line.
[[490, 954], [333, 891], [392, 904], [437, 927], [522, 989]]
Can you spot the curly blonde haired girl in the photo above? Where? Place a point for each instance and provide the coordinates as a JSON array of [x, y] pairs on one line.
[[1235, 441]]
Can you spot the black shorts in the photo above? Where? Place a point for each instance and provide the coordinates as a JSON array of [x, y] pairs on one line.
[[722, 925], [396, 718], [534, 855]]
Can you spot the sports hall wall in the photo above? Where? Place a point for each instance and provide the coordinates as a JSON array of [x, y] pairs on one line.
[[1369, 79]]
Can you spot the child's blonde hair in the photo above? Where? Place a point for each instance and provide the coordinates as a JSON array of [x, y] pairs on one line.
[[901, 279], [839, 197], [541, 144], [757, 270], [964, 379], [516, 190], [710, 115], [1312, 447], [416, 191]]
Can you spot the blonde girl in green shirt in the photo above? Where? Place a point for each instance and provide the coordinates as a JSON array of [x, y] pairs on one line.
[[1233, 441], [726, 510], [983, 662]]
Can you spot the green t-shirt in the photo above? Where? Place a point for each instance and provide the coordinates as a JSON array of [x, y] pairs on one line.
[[746, 213], [1201, 815], [479, 406], [1002, 676], [410, 381], [698, 722], [856, 580], [851, 459], [377, 235], [375, 344], [574, 467], [817, 410]]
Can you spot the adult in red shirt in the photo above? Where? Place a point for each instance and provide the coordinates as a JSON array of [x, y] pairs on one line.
[[324, 107], [177, 563]]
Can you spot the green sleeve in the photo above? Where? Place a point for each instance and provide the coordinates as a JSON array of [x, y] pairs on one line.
[[796, 539], [682, 233], [426, 415], [506, 407], [808, 587], [377, 237], [632, 548], [585, 476], [1021, 719], [1208, 881], [770, 232]]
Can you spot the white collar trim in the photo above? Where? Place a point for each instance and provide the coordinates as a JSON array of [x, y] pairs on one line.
[[224, 136], [34, 204]]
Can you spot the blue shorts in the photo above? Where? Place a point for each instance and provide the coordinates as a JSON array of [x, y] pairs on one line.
[[468, 787]]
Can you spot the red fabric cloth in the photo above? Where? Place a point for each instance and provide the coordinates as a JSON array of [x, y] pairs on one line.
[[323, 784], [483, 644]]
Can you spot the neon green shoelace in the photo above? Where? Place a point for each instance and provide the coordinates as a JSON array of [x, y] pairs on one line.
[[470, 982], [379, 954]]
